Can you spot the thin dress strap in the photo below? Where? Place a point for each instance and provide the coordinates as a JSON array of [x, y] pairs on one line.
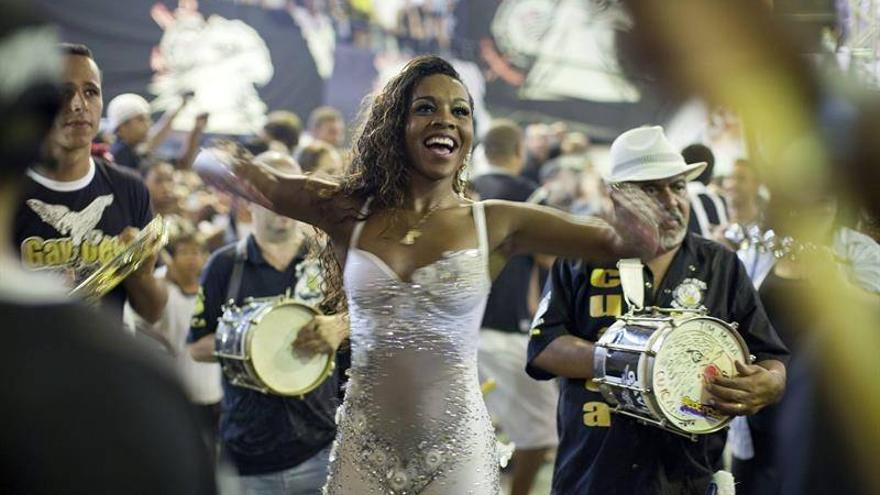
[[482, 236], [359, 225]]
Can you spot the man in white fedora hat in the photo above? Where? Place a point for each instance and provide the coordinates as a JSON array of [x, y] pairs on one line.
[[601, 453]]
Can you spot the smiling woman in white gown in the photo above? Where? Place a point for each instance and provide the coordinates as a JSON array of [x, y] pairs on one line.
[[416, 277]]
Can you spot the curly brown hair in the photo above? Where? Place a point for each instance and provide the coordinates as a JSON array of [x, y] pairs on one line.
[[379, 166]]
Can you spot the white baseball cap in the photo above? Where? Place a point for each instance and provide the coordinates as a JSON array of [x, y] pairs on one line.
[[125, 107], [644, 154]]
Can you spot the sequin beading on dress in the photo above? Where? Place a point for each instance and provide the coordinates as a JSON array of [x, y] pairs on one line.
[[413, 420]]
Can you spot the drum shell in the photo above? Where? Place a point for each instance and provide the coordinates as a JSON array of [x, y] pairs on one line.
[[231, 344], [628, 366]]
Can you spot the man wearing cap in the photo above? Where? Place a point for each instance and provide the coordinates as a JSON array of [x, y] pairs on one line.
[[129, 119], [605, 453]]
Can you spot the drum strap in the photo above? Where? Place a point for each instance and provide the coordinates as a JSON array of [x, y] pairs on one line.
[[632, 279], [237, 269]]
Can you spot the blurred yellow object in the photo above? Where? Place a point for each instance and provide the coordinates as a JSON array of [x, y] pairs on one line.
[[737, 54], [488, 386]]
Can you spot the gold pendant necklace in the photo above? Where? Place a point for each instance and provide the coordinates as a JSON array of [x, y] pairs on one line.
[[414, 232]]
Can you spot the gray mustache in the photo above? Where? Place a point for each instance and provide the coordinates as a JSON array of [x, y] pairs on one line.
[[673, 215]]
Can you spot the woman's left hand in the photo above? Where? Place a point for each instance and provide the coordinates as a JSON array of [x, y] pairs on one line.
[[636, 220], [322, 335]]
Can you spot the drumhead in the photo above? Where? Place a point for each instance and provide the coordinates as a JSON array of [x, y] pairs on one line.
[[278, 366], [687, 352]]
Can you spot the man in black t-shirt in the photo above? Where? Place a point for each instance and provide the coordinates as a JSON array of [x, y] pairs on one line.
[[517, 403], [78, 212], [280, 445], [604, 454], [84, 410]]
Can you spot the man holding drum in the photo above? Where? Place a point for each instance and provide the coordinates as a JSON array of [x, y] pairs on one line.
[[280, 445], [604, 454]]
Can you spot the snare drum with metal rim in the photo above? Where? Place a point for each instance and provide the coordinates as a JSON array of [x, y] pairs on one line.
[[254, 345], [652, 367]]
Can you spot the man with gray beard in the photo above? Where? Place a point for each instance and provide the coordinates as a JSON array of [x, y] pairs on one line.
[[599, 453]]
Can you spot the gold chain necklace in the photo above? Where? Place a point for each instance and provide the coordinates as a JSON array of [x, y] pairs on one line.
[[415, 231]]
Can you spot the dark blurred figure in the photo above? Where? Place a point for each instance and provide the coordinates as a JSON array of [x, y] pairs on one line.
[[773, 451], [708, 210], [86, 411]]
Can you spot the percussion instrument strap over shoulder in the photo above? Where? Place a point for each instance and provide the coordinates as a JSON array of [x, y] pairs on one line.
[[237, 269], [632, 279]]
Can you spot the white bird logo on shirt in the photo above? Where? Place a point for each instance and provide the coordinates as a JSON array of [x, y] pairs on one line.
[[77, 224]]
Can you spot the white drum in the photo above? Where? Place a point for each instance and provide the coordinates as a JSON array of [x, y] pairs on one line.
[[652, 367], [254, 344]]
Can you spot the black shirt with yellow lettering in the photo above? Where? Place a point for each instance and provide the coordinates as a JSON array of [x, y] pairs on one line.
[[601, 453], [72, 228]]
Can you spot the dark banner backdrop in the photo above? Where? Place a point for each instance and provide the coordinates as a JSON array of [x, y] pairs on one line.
[[237, 58], [531, 59], [558, 59]]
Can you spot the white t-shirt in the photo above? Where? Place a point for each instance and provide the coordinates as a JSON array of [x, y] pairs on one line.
[[862, 256], [202, 381]]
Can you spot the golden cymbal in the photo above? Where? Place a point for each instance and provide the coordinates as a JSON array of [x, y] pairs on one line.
[[148, 242]]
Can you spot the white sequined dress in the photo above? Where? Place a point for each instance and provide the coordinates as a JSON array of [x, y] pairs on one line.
[[413, 420]]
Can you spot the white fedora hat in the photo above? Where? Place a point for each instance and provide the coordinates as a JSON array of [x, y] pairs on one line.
[[644, 154]]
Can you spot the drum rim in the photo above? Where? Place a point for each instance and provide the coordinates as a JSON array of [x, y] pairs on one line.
[[329, 366], [658, 344]]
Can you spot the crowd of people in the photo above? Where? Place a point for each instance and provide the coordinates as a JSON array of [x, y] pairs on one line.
[[458, 308], [411, 26]]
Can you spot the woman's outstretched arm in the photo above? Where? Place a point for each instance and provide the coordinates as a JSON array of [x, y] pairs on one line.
[[527, 228], [301, 197]]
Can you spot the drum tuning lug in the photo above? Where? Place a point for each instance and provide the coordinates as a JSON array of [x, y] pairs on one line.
[[735, 325], [752, 358]]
